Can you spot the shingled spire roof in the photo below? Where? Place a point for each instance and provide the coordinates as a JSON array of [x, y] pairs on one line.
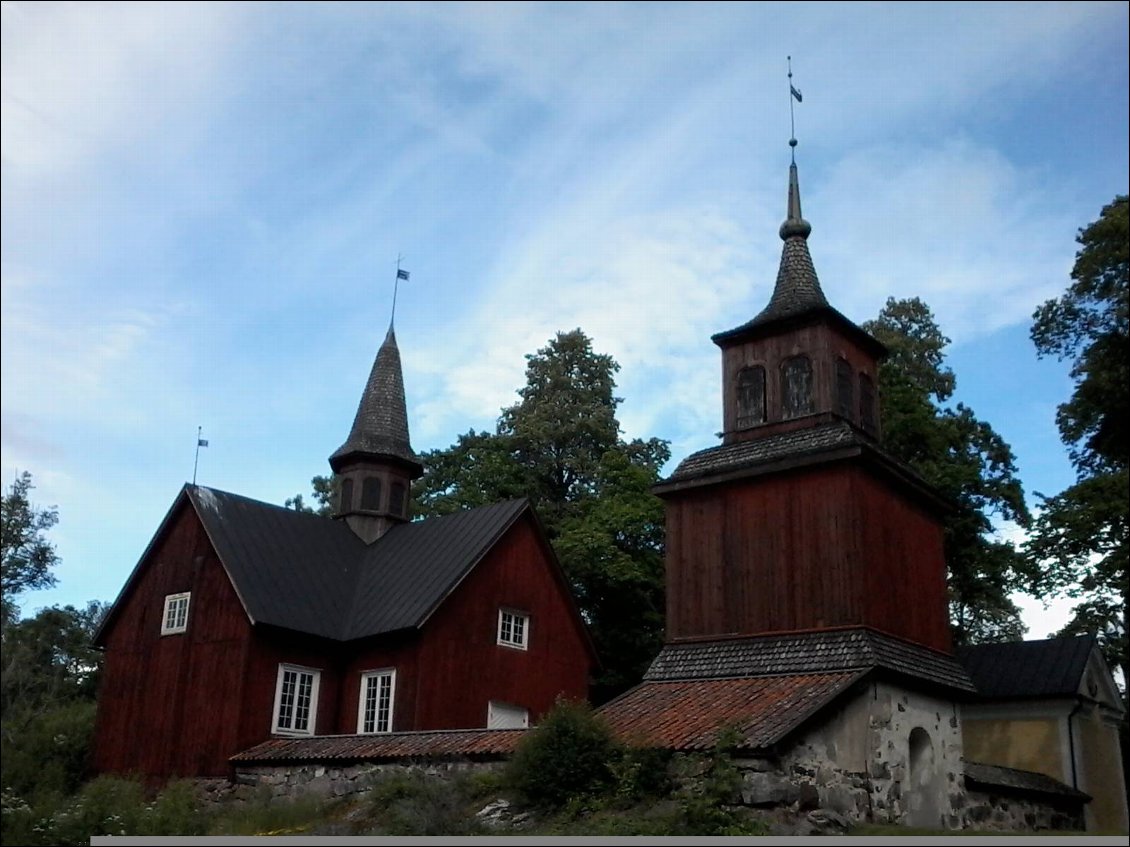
[[797, 293], [380, 428]]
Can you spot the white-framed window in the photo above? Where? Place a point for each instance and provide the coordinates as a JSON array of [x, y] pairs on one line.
[[296, 700], [175, 617], [506, 716], [513, 628], [374, 711]]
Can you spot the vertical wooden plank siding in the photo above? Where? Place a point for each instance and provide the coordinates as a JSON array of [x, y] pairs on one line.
[[170, 705], [461, 664], [812, 548], [822, 343]]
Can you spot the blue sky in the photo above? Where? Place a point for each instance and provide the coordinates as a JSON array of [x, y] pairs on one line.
[[203, 205]]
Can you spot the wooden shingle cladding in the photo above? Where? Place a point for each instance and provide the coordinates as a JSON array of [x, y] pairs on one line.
[[800, 549]]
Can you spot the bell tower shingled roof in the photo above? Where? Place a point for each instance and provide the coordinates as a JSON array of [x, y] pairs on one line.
[[380, 427], [376, 464]]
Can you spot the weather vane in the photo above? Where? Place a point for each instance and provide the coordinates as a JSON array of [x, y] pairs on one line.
[[400, 275], [794, 93]]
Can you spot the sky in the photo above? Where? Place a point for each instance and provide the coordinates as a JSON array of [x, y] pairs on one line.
[[203, 206]]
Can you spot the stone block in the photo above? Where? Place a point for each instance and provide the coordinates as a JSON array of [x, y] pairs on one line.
[[767, 789]]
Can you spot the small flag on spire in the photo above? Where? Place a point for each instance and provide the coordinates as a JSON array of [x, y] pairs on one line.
[[201, 442], [796, 93], [401, 274]]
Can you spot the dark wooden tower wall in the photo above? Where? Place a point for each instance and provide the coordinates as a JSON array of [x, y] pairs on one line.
[[833, 353], [825, 546], [172, 704]]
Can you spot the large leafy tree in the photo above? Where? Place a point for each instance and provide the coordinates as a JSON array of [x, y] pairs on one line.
[[964, 458], [1079, 545], [560, 445], [27, 555]]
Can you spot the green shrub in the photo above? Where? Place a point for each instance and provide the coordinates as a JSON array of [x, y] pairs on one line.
[[570, 754], [46, 753]]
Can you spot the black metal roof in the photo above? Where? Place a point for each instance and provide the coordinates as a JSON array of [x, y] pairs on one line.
[[312, 574], [979, 775], [380, 427], [1052, 667], [811, 652]]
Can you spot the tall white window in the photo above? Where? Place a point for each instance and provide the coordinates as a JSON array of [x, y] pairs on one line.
[[506, 716], [175, 617], [374, 712], [296, 700], [513, 628]]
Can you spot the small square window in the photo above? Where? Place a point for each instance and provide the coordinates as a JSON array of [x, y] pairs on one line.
[[513, 628], [175, 617], [506, 716]]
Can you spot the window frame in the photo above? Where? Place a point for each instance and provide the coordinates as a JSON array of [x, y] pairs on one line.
[[500, 706], [312, 711], [522, 643], [362, 700], [170, 600]]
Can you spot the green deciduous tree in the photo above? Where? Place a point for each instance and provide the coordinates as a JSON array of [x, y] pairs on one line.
[[964, 458], [1079, 545], [560, 445], [28, 556]]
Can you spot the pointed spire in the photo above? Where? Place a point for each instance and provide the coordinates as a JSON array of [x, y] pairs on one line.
[[380, 428], [797, 289]]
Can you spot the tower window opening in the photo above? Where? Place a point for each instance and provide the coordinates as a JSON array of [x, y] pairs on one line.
[[751, 396], [796, 394]]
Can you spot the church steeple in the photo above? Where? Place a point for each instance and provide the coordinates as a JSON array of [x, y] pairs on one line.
[[376, 464], [798, 360], [798, 288]]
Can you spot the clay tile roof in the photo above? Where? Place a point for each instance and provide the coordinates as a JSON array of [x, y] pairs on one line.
[[688, 715], [817, 651], [978, 775], [473, 743]]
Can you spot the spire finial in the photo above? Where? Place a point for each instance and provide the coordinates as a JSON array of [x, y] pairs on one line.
[[794, 93], [400, 275]]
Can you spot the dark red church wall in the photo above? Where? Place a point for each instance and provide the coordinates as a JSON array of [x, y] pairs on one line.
[[169, 705], [461, 665]]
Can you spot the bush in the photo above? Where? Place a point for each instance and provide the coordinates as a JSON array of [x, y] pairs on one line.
[[46, 753], [569, 755]]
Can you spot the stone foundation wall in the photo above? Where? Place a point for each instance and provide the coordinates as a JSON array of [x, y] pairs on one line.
[[992, 811], [329, 780]]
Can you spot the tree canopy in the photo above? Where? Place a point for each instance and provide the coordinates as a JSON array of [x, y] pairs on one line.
[[28, 556], [560, 445], [1079, 546], [964, 458]]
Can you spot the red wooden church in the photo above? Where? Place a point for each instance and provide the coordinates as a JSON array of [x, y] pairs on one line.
[[245, 621]]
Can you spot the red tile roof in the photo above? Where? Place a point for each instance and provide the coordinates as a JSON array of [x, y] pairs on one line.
[[485, 743], [688, 714]]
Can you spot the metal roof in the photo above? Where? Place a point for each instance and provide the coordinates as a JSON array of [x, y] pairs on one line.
[[487, 743], [312, 574], [689, 714], [814, 651], [999, 777], [1052, 667]]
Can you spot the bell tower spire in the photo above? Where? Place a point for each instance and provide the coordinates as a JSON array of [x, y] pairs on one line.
[[376, 464]]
